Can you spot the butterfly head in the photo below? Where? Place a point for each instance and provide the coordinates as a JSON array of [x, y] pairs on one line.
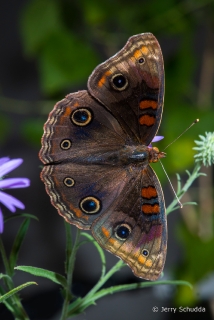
[[155, 154]]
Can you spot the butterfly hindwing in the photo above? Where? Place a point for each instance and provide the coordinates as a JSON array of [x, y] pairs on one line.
[[135, 228], [82, 193]]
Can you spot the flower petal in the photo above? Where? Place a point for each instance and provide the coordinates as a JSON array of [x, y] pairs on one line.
[[3, 160], [157, 138], [10, 202], [13, 183], [9, 166], [1, 222]]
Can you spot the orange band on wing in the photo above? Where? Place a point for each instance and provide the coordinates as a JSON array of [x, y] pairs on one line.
[[145, 104], [143, 260], [105, 232], [67, 112], [150, 209], [145, 50], [103, 79], [112, 241], [147, 120], [148, 192], [78, 213], [137, 54]]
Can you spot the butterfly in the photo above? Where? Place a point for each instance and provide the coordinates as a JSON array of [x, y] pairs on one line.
[[96, 153]]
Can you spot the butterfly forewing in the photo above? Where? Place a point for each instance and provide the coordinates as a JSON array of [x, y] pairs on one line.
[[131, 86], [77, 128]]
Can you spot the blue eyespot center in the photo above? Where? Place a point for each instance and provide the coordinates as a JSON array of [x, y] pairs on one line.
[[123, 232], [81, 116], [119, 82], [141, 60], [145, 252], [90, 205]]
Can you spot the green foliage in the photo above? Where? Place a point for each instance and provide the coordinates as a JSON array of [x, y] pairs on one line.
[[64, 36], [39, 20], [181, 190], [78, 305], [39, 272], [58, 62], [57, 49], [205, 149], [14, 291], [8, 292]]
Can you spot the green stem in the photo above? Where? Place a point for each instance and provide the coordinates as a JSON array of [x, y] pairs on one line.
[[70, 269], [4, 258], [83, 303], [103, 280], [195, 174], [18, 310], [132, 286], [68, 245]]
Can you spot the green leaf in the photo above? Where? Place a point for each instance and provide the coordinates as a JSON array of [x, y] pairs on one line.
[[39, 272], [17, 243], [15, 290]]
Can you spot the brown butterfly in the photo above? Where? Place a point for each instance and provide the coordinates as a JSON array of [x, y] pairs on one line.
[[96, 153]]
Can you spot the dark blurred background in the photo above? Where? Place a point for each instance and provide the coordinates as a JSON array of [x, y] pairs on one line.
[[48, 49]]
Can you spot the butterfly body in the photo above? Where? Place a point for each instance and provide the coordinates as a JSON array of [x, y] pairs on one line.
[[96, 150]]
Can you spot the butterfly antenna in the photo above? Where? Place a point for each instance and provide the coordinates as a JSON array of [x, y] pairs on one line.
[[180, 204], [194, 122]]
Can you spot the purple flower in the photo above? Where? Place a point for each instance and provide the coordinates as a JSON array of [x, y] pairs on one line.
[[156, 139], [7, 165]]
